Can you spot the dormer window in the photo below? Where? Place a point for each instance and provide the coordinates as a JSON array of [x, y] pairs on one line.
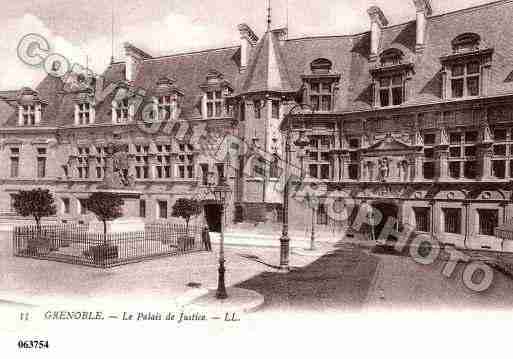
[[83, 114], [214, 104], [465, 79], [466, 72], [391, 89], [28, 114], [122, 111], [321, 95], [165, 107], [167, 99], [390, 78], [216, 90], [30, 107], [320, 85]]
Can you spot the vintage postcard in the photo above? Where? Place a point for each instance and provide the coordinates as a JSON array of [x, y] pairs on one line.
[[250, 178]]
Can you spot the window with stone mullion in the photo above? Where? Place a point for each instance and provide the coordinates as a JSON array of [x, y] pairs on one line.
[[122, 112], [318, 156], [29, 115], [391, 90], [84, 113], [465, 79], [502, 153], [321, 96], [214, 104], [165, 108]]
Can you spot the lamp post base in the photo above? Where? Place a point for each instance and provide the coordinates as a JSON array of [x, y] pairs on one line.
[[284, 253], [221, 288]]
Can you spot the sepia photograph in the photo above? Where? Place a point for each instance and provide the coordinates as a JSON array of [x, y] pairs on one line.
[[256, 178]]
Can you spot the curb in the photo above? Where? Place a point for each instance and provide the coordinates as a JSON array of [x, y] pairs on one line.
[[239, 301]]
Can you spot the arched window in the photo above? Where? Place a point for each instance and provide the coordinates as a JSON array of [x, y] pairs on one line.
[[321, 66], [466, 42]]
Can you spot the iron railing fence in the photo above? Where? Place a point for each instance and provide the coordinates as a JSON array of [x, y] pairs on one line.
[[74, 244]]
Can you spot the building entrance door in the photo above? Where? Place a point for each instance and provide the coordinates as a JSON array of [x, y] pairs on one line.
[[387, 210], [213, 217]]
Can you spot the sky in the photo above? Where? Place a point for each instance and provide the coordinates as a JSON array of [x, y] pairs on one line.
[[81, 29]]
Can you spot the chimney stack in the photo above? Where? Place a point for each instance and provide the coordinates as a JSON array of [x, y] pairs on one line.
[[248, 39], [423, 9], [378, 21], [133, 59]]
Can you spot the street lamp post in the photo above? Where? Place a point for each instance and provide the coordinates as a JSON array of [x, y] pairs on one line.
[[312, 236], [221, 192], [284, 239]]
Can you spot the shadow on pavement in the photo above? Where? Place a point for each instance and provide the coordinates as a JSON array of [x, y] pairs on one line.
[[336, 281]]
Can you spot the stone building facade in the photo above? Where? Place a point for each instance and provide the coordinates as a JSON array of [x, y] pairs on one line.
[[413, 119]]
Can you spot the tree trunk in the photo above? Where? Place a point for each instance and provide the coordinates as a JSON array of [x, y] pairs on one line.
[[105, 232], [38, 227], [187, 227]]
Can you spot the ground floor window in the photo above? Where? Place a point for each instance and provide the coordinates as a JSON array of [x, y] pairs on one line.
[[488, 221], [142, 208], [65, 205], [452, 220], [422, 219], [162, 209]]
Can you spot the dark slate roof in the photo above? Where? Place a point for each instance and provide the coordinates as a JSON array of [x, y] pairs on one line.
[[292, 58], [190, 71], [267, 71]]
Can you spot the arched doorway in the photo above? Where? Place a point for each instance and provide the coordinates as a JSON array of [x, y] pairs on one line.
[[387, 210], [213, 216]]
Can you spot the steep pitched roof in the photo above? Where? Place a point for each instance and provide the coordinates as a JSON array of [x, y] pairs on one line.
[[277, 65], [190, 71], [267, 71]]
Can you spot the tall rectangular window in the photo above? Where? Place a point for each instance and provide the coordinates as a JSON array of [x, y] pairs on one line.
[[142, 208], [100, 162], [15, 162], [41, 162], [319, 157], [488, 221], [321, 96], [422, 219], [258, 109], [186, 161], [391, 89], [204, 174], [275, 109], [215, 103], [28, 113], [65, 205], [163, 163], [83, 162], [122, 112], [142, 164], [165, 108], [162, 208], [83, 113], [452, 220], [465, 79]]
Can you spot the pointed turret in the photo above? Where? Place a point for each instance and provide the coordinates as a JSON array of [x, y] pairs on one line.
[[267, 71]]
